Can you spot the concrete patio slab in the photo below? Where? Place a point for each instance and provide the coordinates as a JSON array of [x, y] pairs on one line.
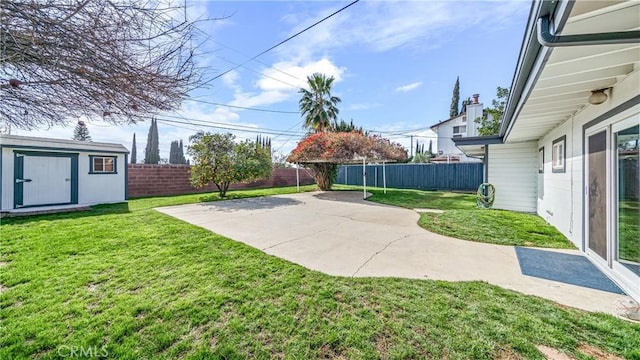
[[338, 233]]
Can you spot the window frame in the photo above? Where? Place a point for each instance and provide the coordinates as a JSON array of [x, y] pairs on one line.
[[559, 168], [460, 130], [92, 159], [541, 160]]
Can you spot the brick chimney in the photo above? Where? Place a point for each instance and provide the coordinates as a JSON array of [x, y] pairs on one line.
[[475, 98]]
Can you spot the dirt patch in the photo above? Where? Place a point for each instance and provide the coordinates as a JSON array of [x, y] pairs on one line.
[[507, 354], [382, 343], [3, 288], [93, 287], [4, 263], [597, 353], [552, 354], [328, 351]]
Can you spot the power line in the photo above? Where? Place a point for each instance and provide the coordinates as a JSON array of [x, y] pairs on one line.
[[224, 126], [243, 107], [284, 41], [256, 71], [284, 132], [256, 60]]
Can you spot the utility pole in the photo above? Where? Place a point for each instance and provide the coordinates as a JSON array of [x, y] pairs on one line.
[[411, 146]]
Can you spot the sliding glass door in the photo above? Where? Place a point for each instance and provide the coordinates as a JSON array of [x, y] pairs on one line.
[[626, 142]]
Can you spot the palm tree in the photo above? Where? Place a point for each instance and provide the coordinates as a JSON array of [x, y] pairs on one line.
[[318, 106]]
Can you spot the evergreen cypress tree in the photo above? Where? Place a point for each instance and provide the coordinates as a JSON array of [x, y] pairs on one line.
[[181, 157], [152, 151], [176, 153], [134, 150], [455, 99], [172, 153], [81, 132]]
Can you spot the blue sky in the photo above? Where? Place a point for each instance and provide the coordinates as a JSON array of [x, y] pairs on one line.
[[395, 64]]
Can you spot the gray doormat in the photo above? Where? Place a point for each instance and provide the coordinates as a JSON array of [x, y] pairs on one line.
[[565, 268]]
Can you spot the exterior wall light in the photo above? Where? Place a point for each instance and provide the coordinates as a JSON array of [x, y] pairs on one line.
[[598, 97]]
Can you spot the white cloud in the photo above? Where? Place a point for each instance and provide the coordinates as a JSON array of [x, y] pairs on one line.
[[409, 87], [386, 25], [283, 81], [362, 106]]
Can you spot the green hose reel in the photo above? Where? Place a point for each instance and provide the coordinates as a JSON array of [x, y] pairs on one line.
[[486, 195]]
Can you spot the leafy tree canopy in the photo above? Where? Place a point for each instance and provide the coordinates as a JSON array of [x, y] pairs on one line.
[[489, 123], [218, 159], [341, 147], [323, 151]]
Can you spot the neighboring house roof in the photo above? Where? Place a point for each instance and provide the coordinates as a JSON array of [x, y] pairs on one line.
[[447, 120], [27, 142], [552, 83]]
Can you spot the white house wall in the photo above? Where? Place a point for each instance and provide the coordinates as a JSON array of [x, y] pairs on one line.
[[445, 134], [100, 188], [445, 142], [7, 178], [562, 202], [513, 172]]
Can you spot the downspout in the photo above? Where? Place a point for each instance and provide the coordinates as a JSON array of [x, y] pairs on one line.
[[486, 163], [548, 39]]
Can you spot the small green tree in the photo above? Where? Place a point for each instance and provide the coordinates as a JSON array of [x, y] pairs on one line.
[[489, 123], [81, 132], [421, 158], [455, 99], [152, 151], [343, 126], [218, 159], [134, 150]]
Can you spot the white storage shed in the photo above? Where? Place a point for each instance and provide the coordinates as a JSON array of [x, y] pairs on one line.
[[39, 173]]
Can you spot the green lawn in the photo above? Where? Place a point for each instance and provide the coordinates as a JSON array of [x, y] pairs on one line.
[[629, 230], [463, 220], [132, 283]]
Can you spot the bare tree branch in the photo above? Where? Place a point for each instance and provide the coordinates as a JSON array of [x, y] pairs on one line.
[[117, 59]]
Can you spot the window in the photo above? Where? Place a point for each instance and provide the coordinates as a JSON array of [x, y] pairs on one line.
[[459, 129], [464, 118], [558, 155], [541, 160], [102, 165]]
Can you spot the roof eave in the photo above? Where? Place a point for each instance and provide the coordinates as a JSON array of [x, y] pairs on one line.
[[532, 57]]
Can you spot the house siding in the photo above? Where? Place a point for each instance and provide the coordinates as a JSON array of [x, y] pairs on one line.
[[563, 192], [513, 170], [100, 188]]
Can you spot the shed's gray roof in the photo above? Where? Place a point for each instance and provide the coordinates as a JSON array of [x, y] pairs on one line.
[[29, 142]]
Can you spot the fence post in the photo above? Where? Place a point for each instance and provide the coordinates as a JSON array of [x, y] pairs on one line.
[[364, 178], [384, 178], [375, 179]]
